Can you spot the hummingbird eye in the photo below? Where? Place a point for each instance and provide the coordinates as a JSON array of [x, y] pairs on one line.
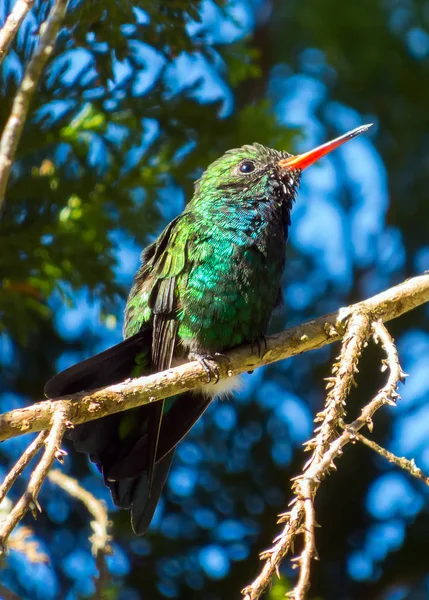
[[247, 166]]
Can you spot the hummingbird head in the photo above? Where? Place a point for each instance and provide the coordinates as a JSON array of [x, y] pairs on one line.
[[255, 172]]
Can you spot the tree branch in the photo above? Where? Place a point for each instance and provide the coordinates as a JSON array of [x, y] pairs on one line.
[[7, 594], [353, 323], [355, 339], [100, 538], [301, 518], [400, 461], [21, 103], [12, 25], [28, 500], [83, 407], [22, 540], [22, 462]]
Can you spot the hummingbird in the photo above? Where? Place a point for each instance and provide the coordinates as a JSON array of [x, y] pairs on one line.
[[209, 282]]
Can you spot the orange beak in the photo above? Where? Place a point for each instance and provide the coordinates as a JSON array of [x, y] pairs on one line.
[[302, 161]]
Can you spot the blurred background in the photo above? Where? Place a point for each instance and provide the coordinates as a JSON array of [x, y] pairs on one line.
[[139, 98]]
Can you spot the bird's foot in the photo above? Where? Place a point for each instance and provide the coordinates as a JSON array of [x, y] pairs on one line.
[[261, 345], [208, 362]]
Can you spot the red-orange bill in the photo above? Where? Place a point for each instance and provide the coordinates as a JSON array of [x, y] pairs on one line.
[[302, 161]]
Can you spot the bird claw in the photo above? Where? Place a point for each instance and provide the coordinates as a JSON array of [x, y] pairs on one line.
[[259, 342], [207, 361]]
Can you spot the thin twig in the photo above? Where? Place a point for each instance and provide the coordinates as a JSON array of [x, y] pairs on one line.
[[316, 472], [400, 461], [144, 390], [22, 540], [7, 594], [12, 25], [28, 500], [21, 463], [101, 524], [21, 103]]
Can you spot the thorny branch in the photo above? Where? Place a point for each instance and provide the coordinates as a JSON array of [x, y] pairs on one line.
[[301, 518], [402, 462], [9, 30], [355, 339], [339, 385], [28, 500], [100, 538], [15, 124]]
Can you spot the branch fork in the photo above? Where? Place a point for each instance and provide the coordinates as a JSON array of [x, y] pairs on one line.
[[29, 500], [327, 445]]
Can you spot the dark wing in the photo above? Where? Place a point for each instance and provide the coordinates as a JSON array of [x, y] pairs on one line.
[[165, 261], [134, 449], [165, 324]]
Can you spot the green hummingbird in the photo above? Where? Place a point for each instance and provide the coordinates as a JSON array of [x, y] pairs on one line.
[[209, 282]]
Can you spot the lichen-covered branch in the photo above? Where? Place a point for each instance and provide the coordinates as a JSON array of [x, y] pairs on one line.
[[28, 500], [314, 334], [301, 518], [13, 129], [13, 23]]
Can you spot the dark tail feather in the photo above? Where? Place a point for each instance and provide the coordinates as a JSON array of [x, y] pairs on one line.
[[136, 495], [154, 430], [120, 444], [181, 417]]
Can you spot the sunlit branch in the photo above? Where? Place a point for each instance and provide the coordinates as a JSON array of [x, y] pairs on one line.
[[304, 560], [28, 500], [400, 461], [15, 124], [339, 384], [22, 540], [22, 462], [301, 518], [13, 22], [87, 406]]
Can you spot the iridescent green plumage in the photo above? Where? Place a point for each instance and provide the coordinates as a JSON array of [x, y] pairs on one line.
[[218, 265], [209, 282]]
